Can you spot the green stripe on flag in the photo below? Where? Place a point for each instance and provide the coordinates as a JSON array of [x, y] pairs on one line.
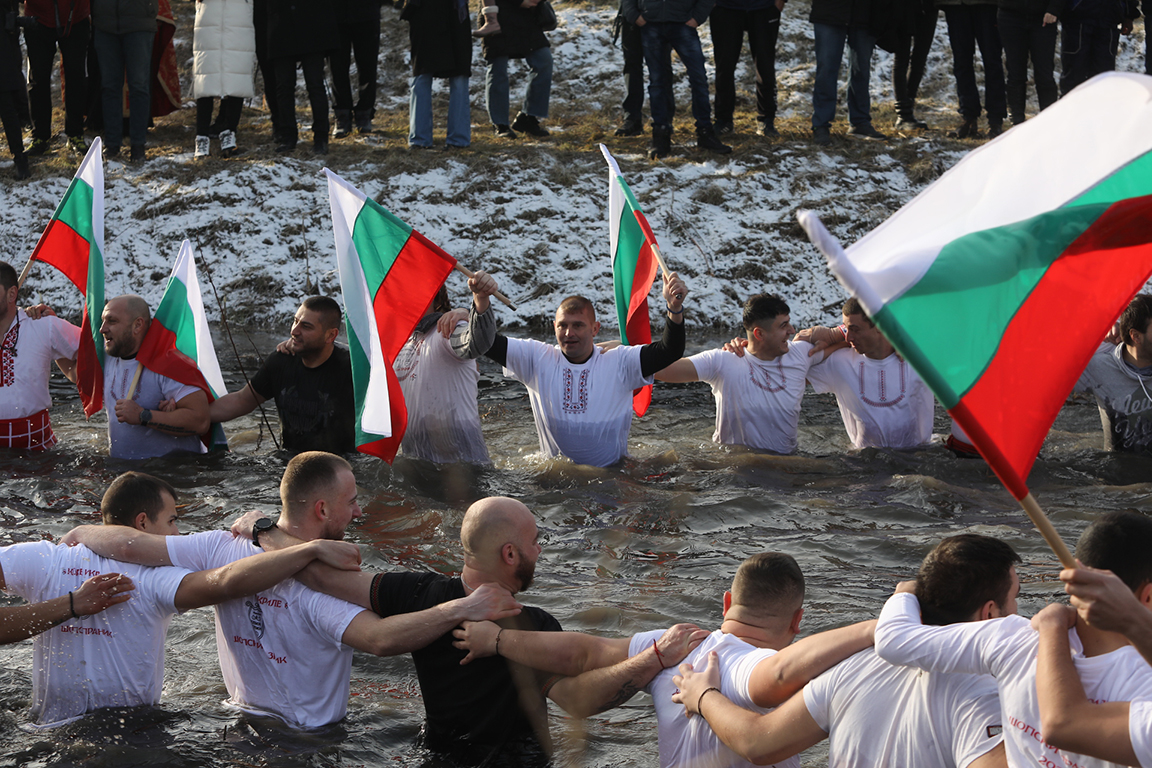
[[174, 313], [630, 239], [361, 371], [377, 231], [1132, 180], [75, 209]]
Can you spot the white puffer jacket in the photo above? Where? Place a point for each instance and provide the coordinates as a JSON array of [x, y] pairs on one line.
[[223, 49]]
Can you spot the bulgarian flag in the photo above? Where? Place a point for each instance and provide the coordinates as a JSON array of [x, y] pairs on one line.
[[633, 267], [73, 242], [998, 282], [178, 344], [389, 274]]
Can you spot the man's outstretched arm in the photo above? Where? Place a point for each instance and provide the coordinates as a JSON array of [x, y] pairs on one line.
[[20, 622], [660, 354], [121, 542], [778, 677], [234, 404], [561, 653]]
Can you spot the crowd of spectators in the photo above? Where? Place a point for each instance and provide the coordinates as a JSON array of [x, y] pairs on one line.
[[112, 57]]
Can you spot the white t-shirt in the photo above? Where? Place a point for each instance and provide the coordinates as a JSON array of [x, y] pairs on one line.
[[690, 742], [440, 393], [757, 401], [24, 375], [131, 441], [280, 650], [878, 714], [582, 411], [1006, 649], [883, 403], [110, 659], [1140, 731]]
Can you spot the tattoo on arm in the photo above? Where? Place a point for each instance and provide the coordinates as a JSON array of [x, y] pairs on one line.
[[626, 692]]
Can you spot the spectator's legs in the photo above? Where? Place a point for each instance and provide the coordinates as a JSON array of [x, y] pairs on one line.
[[763, 29], [829, 45], [901, 61], [991, 51], [727, 43], [633, 53], [496, 90], [860, 45], [285, 69], [687, 44], [658, 59], [137, 47], [923, 34], [74, 54], [230, 109], [340, 64], [203, 114], [459, 112], [313, 67], [108, 49], [1015, 34], [962, 39], [94, 103], [10, 118], [420, 111], [268, 68], [1042, 48], [366, 48], [1105, 41], [539, 82], [41, 44]]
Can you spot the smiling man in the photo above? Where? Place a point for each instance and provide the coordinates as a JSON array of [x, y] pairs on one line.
[[582, 396], [311, 384]]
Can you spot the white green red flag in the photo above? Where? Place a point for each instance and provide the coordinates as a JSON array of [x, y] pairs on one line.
[[389, 274], [633, 267], [999, 281], [178, 343], [73, 242]]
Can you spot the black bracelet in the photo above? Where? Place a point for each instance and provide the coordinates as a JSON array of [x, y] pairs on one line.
[[706, 690], [72, 606], [497, 650], [674, 311]]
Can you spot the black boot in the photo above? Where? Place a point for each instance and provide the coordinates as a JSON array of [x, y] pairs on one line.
[[706, 139], [343, 124], [661, 142], [21, 163]]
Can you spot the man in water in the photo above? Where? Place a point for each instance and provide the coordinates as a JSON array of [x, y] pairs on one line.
[[582, 396]]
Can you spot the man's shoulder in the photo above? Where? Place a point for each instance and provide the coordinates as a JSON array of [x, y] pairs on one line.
[[540, 619], [341, 356]]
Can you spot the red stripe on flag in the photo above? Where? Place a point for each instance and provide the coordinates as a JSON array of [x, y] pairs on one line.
[[64, 248], [638, 328], [643, 221], [1051, 339], [89, 373]]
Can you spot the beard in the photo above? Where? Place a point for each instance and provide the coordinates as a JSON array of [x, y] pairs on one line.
[[525, 571]]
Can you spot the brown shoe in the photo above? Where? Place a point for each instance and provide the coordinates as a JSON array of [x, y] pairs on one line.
[[491, 23]]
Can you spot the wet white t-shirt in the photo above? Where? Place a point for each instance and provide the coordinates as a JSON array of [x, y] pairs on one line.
[[883, 403], [1140, 731], [582, 411], [280, 650], [29, 349], [132, 441], [757, 401], [878, 714], [689, 741], [114, 658]]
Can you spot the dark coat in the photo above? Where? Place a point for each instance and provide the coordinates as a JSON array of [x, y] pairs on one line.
[[1033, 9], [676, 11], [301, 27], [440, 34], [352, 11], [118, 17], [46, 11], [841, 13], [520, 33]]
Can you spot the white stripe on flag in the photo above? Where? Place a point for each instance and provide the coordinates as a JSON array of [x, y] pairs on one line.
[[185, 272]]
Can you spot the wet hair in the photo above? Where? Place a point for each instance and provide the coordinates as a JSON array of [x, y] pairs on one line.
[[768, 583], [133, 493], [1136, 317], [441, 303], [852, 307], [309, 474], [8, 276], [576, 304], [961, 574], [328, 309], [761, 307], [1120, 542]]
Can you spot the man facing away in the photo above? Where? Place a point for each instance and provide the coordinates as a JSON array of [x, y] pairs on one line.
[[1110, 669], [116, 658], [581, 396], [874, 713], [762, 667], [287, 651]]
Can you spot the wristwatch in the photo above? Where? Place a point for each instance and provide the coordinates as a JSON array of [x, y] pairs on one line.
[[261, 525], [145, 417]]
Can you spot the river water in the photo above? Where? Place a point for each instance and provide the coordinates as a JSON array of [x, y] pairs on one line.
[[625, 549]]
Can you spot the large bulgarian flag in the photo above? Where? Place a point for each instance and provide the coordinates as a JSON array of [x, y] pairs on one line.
[[389, 274], [73, 242], [999, 281], [178, 344], [633, 267]]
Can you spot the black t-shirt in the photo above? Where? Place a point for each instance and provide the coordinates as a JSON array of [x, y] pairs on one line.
[[317, 406], [472, 710]]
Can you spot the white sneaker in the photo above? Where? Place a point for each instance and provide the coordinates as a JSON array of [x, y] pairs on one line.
[[227, 143], [202, 145]]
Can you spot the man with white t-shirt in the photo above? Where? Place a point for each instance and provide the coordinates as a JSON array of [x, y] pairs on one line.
[[1109, 668], [287, 651], [762, 666], [758, 392], [874, 713], [582, 396], [883, 401], [116, 658]]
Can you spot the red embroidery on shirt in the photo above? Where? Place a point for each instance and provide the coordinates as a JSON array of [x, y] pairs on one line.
[[575, 402], [884, 402], [761, 378], [8, 356]]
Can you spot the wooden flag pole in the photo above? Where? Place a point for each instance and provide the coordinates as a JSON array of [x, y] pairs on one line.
[[136, 381], [499, 296], [1044, 525], [24, 272]]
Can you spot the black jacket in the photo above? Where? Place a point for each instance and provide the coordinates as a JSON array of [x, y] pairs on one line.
[[440, 34], [678, 11], [842, 13], [300, 27], [520, 33]]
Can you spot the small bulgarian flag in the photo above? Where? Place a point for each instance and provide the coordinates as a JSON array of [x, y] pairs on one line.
[[73, 242], [633, 267], [178, 344], [998, 281], [389, 274]]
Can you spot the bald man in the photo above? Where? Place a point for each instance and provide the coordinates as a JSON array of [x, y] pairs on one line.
[[491, 709], [137, 428]]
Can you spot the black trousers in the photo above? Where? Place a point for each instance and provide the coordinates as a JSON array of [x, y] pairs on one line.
[[42, 43], [1023, 37], [911, 59], [230, 107], [10, 118], [728, 29], [633, 52], [313, 66], [267, 70], [362, 40]]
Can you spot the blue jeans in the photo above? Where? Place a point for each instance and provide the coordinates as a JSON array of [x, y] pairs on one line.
[[659, 39], [130, 55], [539, 86], [830, 41], [420, 112]]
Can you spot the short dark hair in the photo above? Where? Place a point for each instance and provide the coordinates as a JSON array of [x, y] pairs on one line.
[[1120, 542], [962, 573], [852, 307], [761, 307], [769, 581], [575, 304], [328, 309], [8, 276], [1136, 316], [133, 493], [441, 302], [308, 474]]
